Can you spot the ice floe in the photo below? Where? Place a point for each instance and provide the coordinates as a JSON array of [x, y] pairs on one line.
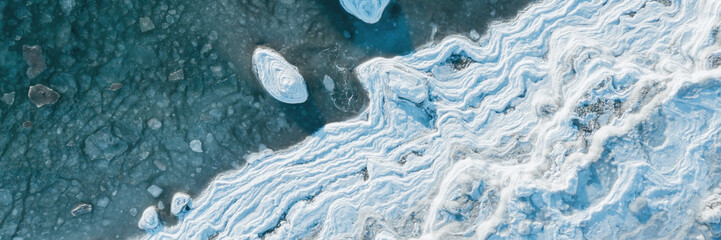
[[279, 78]]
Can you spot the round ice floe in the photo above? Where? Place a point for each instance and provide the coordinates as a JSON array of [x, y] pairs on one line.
[[369, 11], [180, 203], [279, 78], [196, 146], [149, 220]]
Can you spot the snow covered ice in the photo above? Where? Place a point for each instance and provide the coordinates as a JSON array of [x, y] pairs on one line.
[[281, 79], [576, 120]]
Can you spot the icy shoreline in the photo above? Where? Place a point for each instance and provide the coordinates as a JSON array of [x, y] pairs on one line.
[[592, 114]]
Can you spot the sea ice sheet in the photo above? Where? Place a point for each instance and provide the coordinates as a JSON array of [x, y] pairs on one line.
[[576, 120]]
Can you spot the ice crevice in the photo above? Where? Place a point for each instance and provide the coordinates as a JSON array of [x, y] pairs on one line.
[[577, 119]]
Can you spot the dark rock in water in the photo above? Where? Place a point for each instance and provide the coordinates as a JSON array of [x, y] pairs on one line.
[[103, 144], [41, 95], [81, 209], [33, 55]]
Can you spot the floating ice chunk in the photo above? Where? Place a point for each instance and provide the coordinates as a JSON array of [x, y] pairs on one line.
[[279, 78], [155, 191], [196, 146], [81, 209], [161, 205], [154, 123], [149, 220], [115, 86], [176, 76], [369, 11], [103, 202], [180, 203], [33, 56], [146, 24], [8, 98], [328, 83], [40, 95]]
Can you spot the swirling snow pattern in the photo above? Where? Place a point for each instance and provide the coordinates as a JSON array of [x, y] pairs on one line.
[[578, 119], [279, 78], [369, 11]]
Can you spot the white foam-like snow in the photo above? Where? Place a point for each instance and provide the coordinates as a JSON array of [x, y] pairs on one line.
[[279, 78], [369, 11], [578, 119]]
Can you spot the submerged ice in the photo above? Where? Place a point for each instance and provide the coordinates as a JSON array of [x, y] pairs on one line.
[[578, 119]]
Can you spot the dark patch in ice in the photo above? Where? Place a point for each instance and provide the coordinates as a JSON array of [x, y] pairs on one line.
[[459, 61]]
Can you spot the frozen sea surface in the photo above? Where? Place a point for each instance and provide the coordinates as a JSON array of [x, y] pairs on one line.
[[576, 120]]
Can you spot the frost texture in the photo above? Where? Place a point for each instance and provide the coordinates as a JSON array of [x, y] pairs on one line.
[[577, 120]]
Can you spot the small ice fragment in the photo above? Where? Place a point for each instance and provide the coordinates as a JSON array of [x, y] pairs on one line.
[[346, 34], [176, 76], [196, 146], [370, 11], [103, 202], [279, 78], [27, 124], [33, 56], [149, 220], [154, 124], [40, 95], [146, 24], [161, 206], [180, 203], [474, 34], [133, 212], [8, 98], [81, 209], [328, 83], [155, 191], [115, 86]]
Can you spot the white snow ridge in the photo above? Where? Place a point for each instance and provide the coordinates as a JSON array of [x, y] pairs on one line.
[[579, 119]]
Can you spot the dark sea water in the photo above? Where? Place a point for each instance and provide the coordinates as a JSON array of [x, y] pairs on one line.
[[125, 116]]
